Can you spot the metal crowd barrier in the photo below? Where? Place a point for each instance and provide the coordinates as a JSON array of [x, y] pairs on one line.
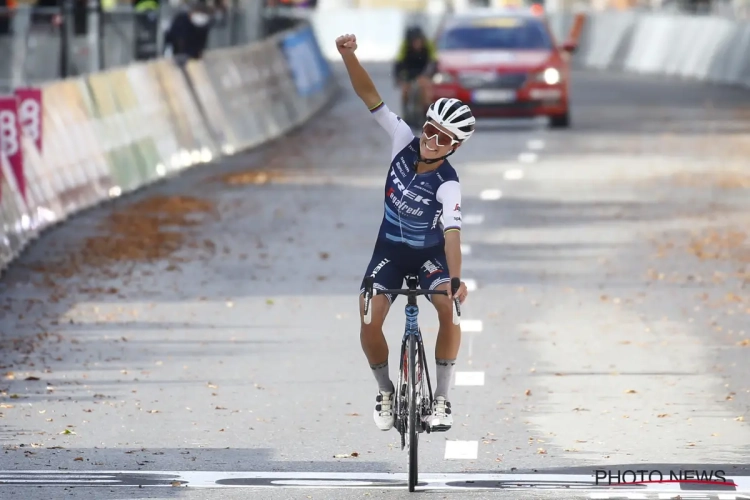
[[75, 143]]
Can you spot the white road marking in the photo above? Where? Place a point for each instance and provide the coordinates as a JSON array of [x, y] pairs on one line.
[[471, 284], [513, 174], [461, 450], [471, 325], [474, 219], [490, 194], [527, 157], [469, 378], [465, 249], [535, 144], [378, 480]]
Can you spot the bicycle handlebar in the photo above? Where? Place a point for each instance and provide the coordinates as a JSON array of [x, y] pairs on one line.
[[371, 292]]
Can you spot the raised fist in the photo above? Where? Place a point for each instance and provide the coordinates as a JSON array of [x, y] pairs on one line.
[[346, 44]]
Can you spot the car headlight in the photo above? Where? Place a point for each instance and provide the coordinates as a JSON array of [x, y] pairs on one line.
[[442, 78], [550, 76]]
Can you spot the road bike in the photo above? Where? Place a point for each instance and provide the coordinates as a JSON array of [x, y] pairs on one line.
[[412, 402]]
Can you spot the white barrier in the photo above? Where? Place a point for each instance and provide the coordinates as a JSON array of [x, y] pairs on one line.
[[85, 140], [706, 48]]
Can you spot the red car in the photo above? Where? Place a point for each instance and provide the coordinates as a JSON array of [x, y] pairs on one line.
[[504, 64]]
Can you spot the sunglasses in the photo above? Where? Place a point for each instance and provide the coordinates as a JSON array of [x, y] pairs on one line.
[[441, 138]]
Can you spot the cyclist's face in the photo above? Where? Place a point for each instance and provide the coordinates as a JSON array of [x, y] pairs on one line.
[[436, 141]]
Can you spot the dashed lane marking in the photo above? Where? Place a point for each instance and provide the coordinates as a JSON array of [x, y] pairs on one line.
[[490, 194], [474, 219], [513, 174], [535, 144], [461, 450], [469, 378], [527, 157], [471, 325]]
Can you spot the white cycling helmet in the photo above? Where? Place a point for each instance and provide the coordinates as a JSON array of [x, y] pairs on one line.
[[453, 115]]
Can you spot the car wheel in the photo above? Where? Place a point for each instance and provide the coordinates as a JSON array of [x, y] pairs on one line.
[[560, 121]]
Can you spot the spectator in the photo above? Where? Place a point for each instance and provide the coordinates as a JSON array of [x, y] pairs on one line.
[[187, 36]]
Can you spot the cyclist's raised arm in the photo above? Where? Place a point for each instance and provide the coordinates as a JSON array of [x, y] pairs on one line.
[[399, 132]]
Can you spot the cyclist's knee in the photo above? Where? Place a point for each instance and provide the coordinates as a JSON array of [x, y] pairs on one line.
[[443, 305]]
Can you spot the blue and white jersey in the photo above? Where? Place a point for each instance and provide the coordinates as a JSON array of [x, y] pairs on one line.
[[419, 208]]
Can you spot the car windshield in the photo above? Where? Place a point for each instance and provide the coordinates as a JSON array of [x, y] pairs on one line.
[[503, 34]]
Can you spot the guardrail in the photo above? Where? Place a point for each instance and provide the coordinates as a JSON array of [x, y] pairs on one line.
[[69, 145], [707, 48]]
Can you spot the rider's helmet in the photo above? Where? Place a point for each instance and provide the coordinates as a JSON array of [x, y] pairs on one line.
[[414, 32], [453, 115]]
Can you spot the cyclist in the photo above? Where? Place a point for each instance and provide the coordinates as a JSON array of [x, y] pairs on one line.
[[415, 62], [421, 186]]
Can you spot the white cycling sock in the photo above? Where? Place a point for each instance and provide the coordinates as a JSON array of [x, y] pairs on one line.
[[444, 372], [381, 375]]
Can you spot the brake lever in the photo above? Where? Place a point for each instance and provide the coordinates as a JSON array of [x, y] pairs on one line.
[[369, 282], [455, 285]]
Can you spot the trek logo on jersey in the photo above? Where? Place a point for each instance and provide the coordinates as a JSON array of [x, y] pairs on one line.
[[379, 267], [436, 219], [409, 194]]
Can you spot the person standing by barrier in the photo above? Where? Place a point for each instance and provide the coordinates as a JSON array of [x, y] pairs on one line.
[[421, 188], [187, 36]]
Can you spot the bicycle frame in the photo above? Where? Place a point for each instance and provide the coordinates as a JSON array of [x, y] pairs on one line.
[[411, 407]]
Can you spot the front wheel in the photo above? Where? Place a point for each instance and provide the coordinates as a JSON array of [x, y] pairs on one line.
[[414, 415]]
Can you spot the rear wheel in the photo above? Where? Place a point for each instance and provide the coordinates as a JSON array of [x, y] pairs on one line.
[[413, 112], [414, 415]]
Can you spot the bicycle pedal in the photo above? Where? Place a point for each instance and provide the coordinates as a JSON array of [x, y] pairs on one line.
[[440, 428]]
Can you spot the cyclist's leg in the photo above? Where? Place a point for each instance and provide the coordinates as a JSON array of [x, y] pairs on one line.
[[387, 275], [433, 275]]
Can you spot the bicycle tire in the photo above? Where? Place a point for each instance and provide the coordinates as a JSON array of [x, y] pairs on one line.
[[414, 420]]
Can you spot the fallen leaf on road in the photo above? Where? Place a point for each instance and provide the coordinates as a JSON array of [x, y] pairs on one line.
[[662, 415], [630, 391], [352, 414], [347, 455], [176, 483], [541, 451], [528, 392], [78, 459], [740, 419]]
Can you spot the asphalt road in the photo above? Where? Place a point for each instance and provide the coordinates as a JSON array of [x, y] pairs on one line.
[[608, 327]]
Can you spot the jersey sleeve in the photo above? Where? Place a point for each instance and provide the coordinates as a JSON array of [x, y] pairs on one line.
[[399, 132], [449, 195]]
